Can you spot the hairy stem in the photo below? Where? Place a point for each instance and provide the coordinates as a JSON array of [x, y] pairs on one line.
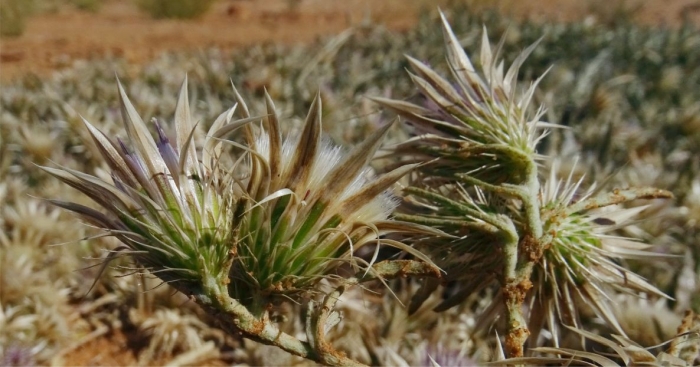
[[236, 317], [514, 287], [319, 320], [521, 257]]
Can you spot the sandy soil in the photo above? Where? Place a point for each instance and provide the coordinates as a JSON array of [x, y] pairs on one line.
[[120, 29], [54, 40]]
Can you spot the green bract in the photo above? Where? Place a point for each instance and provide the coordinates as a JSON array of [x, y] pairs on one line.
[[171, 210], [274, 221], [309, 206]]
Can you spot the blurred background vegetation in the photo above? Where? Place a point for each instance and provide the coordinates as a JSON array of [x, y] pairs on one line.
[[14, 13]]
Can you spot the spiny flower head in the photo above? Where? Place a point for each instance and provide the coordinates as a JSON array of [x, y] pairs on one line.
[[479, 123], [168, 207], [274, 221], [580, 263], [475, 135], [312, 205]]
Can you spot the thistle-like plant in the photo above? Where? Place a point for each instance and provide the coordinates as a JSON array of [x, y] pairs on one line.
[[239, 234], [479, 134]]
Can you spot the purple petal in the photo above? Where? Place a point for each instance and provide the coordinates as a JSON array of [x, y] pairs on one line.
[[168, 153]]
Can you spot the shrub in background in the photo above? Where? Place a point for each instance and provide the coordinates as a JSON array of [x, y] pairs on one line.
[[13, 16], [92, 6], [179, 9], [14, 13]]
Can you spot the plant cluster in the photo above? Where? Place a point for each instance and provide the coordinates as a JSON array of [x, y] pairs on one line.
[[279, 233]]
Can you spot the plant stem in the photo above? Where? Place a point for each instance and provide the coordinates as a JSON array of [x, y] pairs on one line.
[[237, 318], [521, 257], [317, 323], [515, 287]]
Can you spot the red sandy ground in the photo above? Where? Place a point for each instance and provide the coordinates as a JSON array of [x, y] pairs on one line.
[[52, 41]]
